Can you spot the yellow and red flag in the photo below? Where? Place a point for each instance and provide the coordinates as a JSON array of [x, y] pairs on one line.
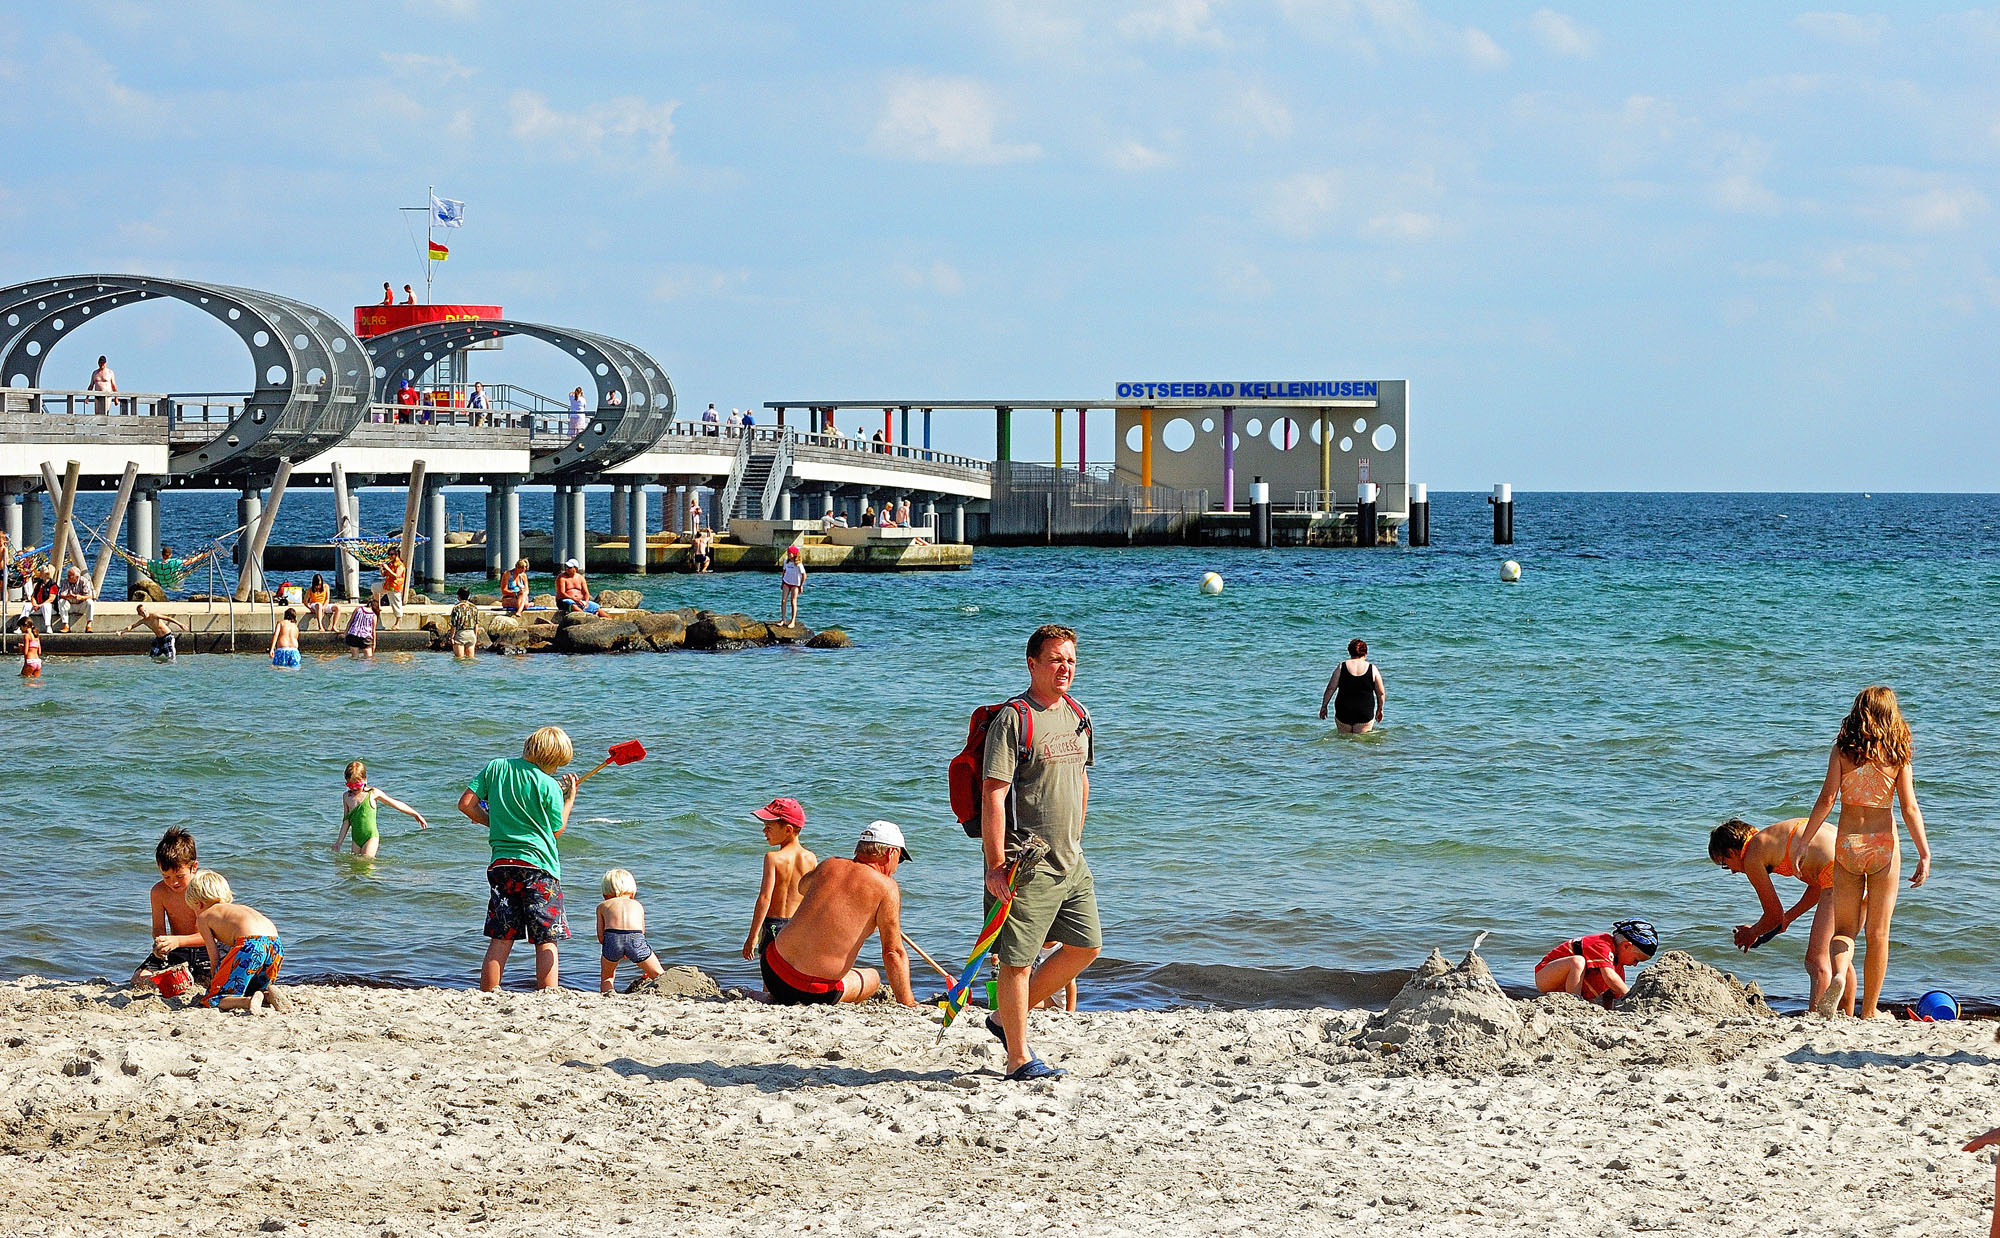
[[438, 252]]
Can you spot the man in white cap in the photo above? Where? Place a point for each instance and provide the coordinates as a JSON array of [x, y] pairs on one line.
[[572, 590], [842, 903]]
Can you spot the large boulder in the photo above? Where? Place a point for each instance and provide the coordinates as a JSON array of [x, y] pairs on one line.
[[832, 638], [667, 631], [719, 633], [498, 625], [788, 633], [547, 601], [145, 590], [620, 599], [600, 636], [485, 599]]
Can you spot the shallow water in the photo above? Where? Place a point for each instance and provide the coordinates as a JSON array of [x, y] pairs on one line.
[[1555, 755]]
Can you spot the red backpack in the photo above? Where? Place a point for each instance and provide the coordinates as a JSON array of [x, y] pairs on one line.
[[966, 773]]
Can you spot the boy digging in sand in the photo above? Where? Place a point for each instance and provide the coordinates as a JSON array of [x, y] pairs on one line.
[[784, 867], [176, 938], [621, 928], [245, 972], [1786, 850], [357, 812], [1593, 967]]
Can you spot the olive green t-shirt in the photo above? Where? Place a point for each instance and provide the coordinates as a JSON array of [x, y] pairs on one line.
[[1048, 793]]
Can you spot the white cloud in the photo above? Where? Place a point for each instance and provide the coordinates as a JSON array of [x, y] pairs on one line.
[[1301, 205], [1132, 155], [1179, 21], [1260, 113], [1481, 51], [431, 69], [1562, 35], [1941, 209], [943, 120], [1036, 28], [1401, 226], [939, 277], [1742, 193], [615, 129], [1243, 281], [1850, 29]]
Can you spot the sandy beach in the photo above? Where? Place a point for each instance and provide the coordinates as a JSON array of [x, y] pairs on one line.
[[377, 1112]]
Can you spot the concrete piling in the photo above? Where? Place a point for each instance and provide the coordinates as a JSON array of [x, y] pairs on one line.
[[1260, 512], [635, 529], [1503, 514], [1420, 514], [1364, 514]]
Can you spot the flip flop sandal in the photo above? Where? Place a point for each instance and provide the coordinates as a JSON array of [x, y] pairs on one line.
[[1035, 1070]]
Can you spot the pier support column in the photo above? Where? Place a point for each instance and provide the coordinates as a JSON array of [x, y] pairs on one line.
[[31, 521], [1364, 513], [439, 524], [1420, 515], [1260, 513], [1082, 439], [10, 518], [153, 515], [579, 527], [930, 515], [139, 535], [510, 525], [675, 518], [1146, 447], [1503, 514], [1058, 419], [350, 569], [958, 522], [249, 506], [492, 533], [558, 528], [785, 503], [1229, 459], [620, 503], [635, 529]]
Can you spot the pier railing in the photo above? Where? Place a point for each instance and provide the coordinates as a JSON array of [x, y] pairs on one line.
[[1037, 502]]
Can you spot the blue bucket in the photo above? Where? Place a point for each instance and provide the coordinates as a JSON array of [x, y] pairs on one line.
[[1937, 1004]]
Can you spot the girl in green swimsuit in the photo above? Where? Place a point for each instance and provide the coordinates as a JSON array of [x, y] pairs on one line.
[[357, 811]]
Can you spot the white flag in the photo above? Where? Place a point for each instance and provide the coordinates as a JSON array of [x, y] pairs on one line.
[[446, 213]]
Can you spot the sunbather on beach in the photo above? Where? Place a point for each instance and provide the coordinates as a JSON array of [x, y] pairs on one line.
[[784, 867], [176, 937], [621, 930], [1593, 967], [357, 811], [1785, 850], [245, 969], [843, 903], [1868, 770]]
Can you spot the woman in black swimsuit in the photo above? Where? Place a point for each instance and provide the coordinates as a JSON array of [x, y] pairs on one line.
[[1356, 692]]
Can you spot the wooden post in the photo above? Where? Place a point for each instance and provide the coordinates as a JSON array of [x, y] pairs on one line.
[[253, 560], [346, 568], [111, 530], [411, 506], [63, 491]]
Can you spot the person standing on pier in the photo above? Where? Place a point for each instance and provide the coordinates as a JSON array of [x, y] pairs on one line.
[[102, 379], [395, 578], [1356, 691], [1036, 783]]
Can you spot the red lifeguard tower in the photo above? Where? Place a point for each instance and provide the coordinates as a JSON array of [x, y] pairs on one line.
[[449, 379]]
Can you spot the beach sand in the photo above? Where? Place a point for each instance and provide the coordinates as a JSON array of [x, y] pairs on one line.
[[1458, 1111]]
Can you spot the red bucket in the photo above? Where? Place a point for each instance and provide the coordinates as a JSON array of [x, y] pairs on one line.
[[174, 981]]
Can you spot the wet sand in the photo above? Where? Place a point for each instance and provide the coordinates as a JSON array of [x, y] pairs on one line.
[[375, 1112]]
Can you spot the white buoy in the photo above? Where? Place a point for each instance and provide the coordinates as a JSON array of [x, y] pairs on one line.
[[1510, 571], [1211, 583]]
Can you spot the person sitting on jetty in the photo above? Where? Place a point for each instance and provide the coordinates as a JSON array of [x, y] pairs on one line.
[[243, 973], [1785, 850], [1356, 691], [833, 519], [42, 598], [1593, 967], [572, 590], [842, 903], [357, 811], [524, 806], [621, 931], [163, 640], [784, 867], [285, 641], [395, 579], [319, 604], [75, 596], [514, 588], [886, 518], [177, 939], [903, 514]]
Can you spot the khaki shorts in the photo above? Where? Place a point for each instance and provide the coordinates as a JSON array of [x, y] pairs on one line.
[[1048, 909]]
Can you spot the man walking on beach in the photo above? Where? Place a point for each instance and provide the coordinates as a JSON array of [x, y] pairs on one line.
[[841, 904], [1043, 795]]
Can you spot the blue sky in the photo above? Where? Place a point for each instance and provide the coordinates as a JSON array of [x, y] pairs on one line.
[[1613, 247]]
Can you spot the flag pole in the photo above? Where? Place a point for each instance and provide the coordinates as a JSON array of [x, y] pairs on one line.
[[430, 222]]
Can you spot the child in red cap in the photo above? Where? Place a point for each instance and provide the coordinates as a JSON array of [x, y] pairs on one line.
[[784, 866], [791, 583]]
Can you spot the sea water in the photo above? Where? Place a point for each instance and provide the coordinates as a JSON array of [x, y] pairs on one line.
[[1554, 756]]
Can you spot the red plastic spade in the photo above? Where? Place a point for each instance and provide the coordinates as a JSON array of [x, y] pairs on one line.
[[621, 754]]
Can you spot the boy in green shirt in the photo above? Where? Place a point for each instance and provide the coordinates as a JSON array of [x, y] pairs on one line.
[[523, 806]]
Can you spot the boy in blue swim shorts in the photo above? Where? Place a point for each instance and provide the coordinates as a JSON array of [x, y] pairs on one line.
[[245, 971], [524, 807], [285, 642], [621, 928]]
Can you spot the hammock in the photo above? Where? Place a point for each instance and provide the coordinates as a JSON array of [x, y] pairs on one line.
[[28, 562], [166, 573], [371, 551]]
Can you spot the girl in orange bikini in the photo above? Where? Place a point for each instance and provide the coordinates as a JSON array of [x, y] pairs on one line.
[[1785, 850], [1868, 769]]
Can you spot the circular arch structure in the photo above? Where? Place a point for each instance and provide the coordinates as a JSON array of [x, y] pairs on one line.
[[313, 384], [616, 432]]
